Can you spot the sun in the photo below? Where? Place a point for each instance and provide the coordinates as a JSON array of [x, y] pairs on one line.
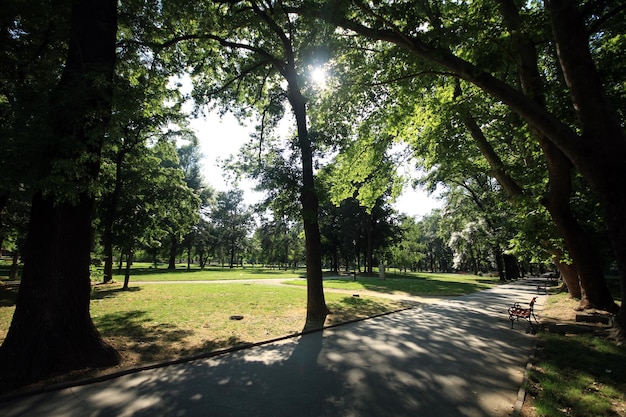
[[318, 76]]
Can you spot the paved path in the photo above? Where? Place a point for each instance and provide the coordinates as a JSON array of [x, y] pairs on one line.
[[454, 358]]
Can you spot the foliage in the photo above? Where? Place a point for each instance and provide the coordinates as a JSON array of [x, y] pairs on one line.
[[232, 223], [279, 241]]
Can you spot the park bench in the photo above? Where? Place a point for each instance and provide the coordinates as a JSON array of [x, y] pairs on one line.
[[517, 312]]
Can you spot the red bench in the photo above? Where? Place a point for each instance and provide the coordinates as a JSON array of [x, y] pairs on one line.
[[517, 312]]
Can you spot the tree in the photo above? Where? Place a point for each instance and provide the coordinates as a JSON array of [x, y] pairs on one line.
[[188, 162], [232, 224], [597, 152], [51, 331], [409, 251], [154, 203], [146, 109], [266, 47], [434, 238]]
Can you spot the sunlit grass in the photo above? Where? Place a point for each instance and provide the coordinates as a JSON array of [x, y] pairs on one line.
[[159, 322], [579, 375], [146, 272]]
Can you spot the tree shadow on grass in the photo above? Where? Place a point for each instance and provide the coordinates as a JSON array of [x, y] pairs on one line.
[[98, 293], [136, 332], [357, 308]]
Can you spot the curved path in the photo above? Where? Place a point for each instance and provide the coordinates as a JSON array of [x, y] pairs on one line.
[[457, 357]]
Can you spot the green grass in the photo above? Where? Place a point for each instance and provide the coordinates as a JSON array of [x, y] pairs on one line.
[[144, 272], [425, 284], [159, 322], [579, 375]]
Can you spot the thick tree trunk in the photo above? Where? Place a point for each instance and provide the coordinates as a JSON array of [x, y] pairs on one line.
[[173, 251], [602, 153], [569, 274], [595, 292], [52, 331], [511, 267], [316, 303]]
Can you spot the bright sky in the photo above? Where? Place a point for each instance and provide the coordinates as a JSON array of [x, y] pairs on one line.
[[222, 137]]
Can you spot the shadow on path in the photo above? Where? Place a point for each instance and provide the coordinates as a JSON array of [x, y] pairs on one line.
[[456, 358]]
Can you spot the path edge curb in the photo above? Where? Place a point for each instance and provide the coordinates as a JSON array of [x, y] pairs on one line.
[[207, 355], [521, 394]]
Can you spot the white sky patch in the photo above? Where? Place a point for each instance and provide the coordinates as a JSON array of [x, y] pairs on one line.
[[222, 137]]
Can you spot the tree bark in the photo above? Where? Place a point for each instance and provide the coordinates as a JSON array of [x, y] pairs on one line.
[[595, 292], [511, 266], [497, 254], [52, 331], [602, 157], [569, 274], [109, 218], [316, 303], [14, 271], [173, 251], [129, 262]]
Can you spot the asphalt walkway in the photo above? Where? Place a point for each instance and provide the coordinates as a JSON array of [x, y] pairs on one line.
[[457, 357]]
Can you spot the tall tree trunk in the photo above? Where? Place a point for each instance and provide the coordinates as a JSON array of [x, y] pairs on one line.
[[173, 250], [316, 303], [109, 218], [569, 274], [4, 199], [595, 292], [369, 256], [231, 261], [497, 254], [129, 262], [52, 331], [13, 272], [601, 156], [511, 267]]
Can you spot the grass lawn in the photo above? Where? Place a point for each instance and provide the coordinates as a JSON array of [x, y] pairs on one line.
[[413, 283], [146, 272], [576, 374], [157, 322], [152, 322]]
